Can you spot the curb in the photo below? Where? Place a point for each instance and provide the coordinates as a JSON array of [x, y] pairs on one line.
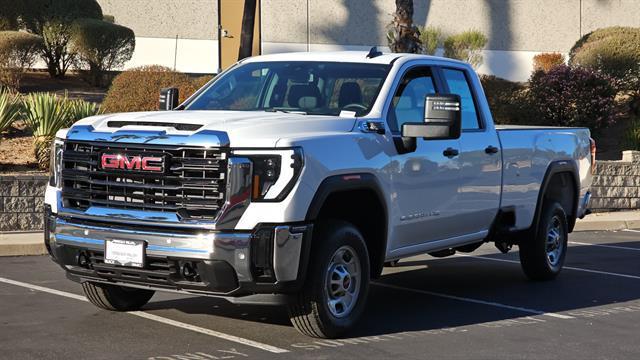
[[22, 244]]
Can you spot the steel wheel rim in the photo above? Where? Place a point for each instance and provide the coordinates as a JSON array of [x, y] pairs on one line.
[[554, 243], [343, 281]]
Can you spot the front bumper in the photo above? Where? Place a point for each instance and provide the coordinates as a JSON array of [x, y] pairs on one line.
[[270, 259]]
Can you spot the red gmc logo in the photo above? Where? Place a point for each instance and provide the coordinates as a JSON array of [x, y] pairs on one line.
[[122, 162]]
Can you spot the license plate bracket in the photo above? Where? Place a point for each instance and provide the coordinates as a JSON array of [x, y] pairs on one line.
[[130, 253]]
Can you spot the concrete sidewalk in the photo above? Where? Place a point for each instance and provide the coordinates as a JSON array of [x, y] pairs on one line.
[[31, 243], [608, 221]]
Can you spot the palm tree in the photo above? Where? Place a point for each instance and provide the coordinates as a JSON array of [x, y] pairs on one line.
[[404, 36]]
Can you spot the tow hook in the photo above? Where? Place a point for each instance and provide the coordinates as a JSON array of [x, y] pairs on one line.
[[503, 246]]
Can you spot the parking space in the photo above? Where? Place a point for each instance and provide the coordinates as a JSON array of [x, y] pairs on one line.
[[467, 306]]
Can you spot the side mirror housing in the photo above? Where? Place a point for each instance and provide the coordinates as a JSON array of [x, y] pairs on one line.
[[442, 119], [168, 98]]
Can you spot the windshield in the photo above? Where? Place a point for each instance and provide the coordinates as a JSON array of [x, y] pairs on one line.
[[318, 88]]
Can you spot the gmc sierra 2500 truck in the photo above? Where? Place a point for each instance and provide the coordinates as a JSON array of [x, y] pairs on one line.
[[294, 178]]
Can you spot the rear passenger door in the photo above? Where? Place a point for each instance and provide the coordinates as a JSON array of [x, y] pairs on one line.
[[480, 160]]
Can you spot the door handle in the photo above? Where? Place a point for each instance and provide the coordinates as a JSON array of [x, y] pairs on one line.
[[450, 152], [491, 149]]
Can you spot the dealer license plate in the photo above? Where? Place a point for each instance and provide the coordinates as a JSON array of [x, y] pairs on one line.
[[124, 253]]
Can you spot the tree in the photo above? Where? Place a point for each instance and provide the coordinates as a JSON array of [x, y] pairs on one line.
[[52, 20], [404, 36], [101, 46]]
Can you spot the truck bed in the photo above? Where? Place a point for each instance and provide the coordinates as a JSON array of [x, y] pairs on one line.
[[527, 152]]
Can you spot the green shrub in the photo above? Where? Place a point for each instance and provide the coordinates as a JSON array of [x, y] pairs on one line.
[[53, 19], [466, 46], [102, 46], [45, 114], [18, 52], [547, 61], [430, 37], [612, 50], [138, 89], [10, 108], [566, 96]]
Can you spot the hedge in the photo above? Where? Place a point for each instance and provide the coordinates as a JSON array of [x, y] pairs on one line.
[[138, 89], [613, 51]]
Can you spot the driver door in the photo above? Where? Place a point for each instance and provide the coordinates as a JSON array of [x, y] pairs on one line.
[[424, 182]]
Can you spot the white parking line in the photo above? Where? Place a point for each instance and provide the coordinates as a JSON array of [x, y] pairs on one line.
[[476, 301], [605, 246], [631, 230], [565, 267], [157, 318]]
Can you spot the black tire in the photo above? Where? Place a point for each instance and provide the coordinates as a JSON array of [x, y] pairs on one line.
[[116, 298], [309, 310], [542, 255]]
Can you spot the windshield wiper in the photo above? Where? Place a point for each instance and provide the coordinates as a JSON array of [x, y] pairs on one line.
[[286, 111]]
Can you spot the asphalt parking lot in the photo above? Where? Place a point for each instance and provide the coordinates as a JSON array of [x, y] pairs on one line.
[[479, 306]]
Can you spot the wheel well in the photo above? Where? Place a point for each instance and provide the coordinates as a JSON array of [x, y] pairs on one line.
[[562, 188], [364, 210]]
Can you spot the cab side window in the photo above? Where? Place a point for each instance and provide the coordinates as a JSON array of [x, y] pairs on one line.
[[458, 84], [408, 102]]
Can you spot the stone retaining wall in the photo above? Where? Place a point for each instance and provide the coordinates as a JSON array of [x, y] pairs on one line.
[[616, 185], [21, 202]]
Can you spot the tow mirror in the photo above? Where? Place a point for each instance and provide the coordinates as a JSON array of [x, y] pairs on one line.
[[442, 119], [168, 98]]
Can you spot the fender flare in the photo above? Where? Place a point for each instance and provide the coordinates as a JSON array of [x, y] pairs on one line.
[[349, 182], [558, 167]]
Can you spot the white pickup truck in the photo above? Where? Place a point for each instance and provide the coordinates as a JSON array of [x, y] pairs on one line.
[[294, 178]]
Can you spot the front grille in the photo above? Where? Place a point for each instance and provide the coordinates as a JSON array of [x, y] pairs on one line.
[[191, 184]]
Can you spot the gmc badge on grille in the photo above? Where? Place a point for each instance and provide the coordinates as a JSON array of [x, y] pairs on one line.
[[124, 162]]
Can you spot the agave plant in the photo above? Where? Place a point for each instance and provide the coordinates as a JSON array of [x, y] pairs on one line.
[[80, 109], [10, 108], [45, 114]]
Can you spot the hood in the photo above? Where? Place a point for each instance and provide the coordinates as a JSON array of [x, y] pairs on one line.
[[243, 128]]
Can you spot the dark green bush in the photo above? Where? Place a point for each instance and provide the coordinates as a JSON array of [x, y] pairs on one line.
[[9, 13], [101, 46], [18, 52], [53, 19], [612, 50], [507, 100], [138, 89]]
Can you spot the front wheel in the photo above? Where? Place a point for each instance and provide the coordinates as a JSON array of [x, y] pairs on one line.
[[335, 292], [542, 255], [116, 298]]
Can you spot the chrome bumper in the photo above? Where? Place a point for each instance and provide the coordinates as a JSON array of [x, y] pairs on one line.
[[231, 247]]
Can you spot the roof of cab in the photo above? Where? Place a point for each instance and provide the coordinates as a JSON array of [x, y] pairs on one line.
[[344, 56]]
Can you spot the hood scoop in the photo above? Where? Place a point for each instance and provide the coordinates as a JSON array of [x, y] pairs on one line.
[[177, 126]]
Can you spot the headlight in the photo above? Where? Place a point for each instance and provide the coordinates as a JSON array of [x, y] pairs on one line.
[[275, 172], [55, 168]]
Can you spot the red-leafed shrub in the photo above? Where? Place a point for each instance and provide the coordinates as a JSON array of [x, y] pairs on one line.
[[547, 61]]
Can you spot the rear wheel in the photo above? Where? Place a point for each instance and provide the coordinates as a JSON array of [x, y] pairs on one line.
[[335, 292], [116, 298], [542, 256]]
